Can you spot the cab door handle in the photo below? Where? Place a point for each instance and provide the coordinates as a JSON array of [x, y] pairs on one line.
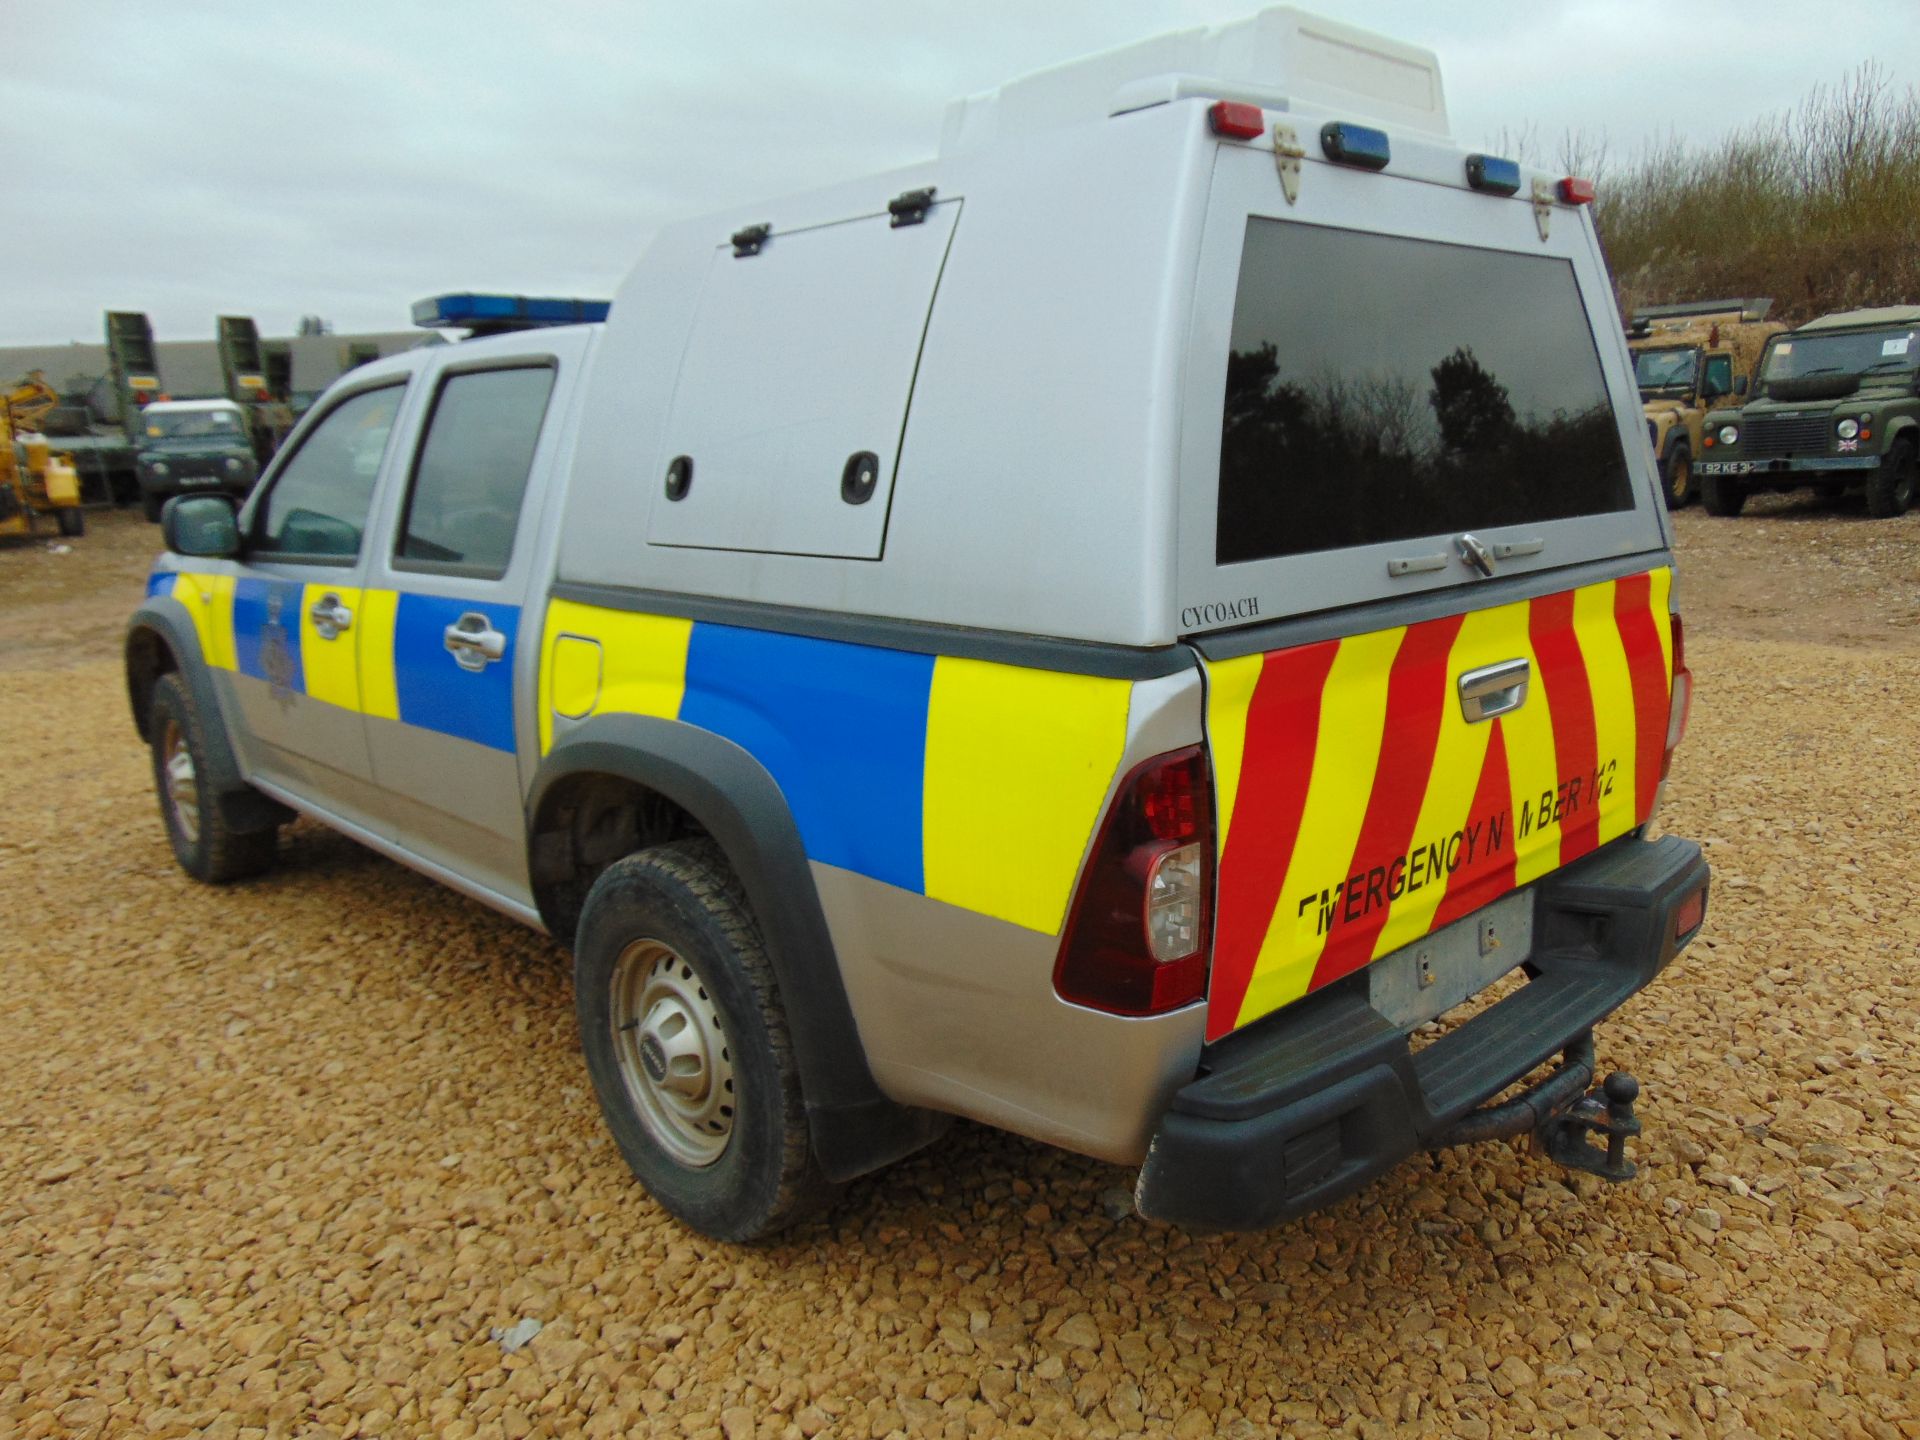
[[330, 617], [1494, 689], [473, 642]]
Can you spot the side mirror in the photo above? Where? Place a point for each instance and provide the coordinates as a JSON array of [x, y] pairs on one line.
[[1739, 385], [203, 526]]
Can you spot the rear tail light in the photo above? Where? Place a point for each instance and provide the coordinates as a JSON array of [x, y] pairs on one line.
[[1688, 914], [1137, 938], [1681, 703], [1575, 191]]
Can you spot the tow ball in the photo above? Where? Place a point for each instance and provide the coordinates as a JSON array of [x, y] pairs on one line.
[[1560, 1114], [1607, 1112]]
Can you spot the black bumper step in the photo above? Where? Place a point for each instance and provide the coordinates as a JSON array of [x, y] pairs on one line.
[[1306, 1106]]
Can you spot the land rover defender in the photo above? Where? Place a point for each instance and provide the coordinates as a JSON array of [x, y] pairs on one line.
[[1835, 404]]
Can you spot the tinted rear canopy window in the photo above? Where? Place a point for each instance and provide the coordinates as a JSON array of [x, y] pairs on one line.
[[1380, 389]]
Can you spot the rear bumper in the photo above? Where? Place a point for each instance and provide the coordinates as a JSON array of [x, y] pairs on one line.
[[1307, 1106]]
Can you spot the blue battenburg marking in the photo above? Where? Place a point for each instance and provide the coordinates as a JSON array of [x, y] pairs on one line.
[[842, 729], [157, 581], [434, 692], [266, 632]]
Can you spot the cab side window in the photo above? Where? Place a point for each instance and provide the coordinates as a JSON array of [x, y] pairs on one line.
[[471, 475], [319, 502], [1719, 379]]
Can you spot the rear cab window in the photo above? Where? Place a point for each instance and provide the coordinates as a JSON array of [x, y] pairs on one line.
[[470, 480], [1379, 369]]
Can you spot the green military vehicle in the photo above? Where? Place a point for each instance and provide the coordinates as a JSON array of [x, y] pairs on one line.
[[1686, 358], [1835, 404]]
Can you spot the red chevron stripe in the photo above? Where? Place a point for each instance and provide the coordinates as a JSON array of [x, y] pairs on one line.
[[1576, 748], [1283, 729], [1640, 633], [1416, 697]]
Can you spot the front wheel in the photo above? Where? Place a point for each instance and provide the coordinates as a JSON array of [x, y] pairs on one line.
[[1721, 495], [1891, 490], [207, 847], [72, 520], [687, 1043], [151, 506], [1676, 477]]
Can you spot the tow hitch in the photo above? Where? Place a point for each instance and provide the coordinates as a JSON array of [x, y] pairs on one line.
[[1560, 1113]]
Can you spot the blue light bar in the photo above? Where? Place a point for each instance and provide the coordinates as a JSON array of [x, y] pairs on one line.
[[1493, 175], [495, 313], [1360, 145]]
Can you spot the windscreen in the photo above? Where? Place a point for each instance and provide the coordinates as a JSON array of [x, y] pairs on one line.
[[193, 425], [1804, 356], [1380, 388], [1660, 369]]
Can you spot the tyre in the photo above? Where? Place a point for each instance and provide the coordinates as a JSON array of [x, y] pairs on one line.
[[72, 520], [151, 506], [1676, 476], [207, 847], [1890, 491], [1721, 495], [687, 1043]]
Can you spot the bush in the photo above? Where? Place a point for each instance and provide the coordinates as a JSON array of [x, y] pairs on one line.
[[1816, 206]]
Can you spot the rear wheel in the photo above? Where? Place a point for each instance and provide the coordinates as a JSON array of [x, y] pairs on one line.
[[207, 847], [1676, 476], [687, 1043], [1891, 490], [1722, 495], [72, 520], [151, 506]]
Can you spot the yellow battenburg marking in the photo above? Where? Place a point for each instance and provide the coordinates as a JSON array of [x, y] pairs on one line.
[[1353, 717], [1605, 652], [1018, 765], [209, 600], [1230, 686], [643, 661], [330, 667], [1486, 636], [379, 694]]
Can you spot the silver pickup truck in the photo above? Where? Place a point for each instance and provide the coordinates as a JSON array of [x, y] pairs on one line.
[[1108, 633]]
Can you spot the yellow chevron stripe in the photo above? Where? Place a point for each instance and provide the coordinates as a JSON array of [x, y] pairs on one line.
[[1660, 597], [1353, 715], [1230, 686], [1613, 719], [1533, 765]]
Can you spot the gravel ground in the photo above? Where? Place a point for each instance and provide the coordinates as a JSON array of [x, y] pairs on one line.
[[282, 1159]]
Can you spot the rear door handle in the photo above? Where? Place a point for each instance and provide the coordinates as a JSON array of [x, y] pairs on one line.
[[330, 617], [473, 642], [1494, 689]]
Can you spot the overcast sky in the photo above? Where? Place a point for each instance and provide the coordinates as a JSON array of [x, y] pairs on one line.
[[344, 159]]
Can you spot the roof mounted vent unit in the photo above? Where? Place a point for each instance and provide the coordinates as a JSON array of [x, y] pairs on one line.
[[1268, 59], [497, 314]]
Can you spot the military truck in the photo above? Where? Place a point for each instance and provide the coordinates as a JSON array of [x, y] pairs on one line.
[[1835, 404], [1685, 357]]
